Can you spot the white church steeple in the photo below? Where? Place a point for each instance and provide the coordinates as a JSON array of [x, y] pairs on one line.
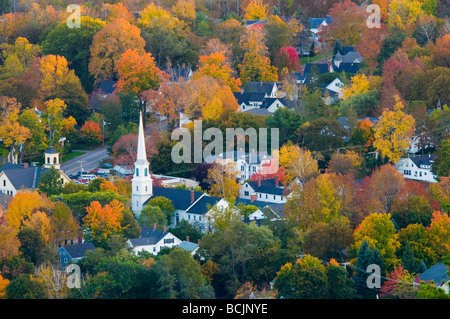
[[142, 183]]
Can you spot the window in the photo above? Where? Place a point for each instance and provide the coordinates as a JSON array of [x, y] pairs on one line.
[[146, 172], [4, 182], [189, 216], [65, 260], [137, 171], [266, 196], [145, 188], [281, 197], [154, 248], [194, 217], [274, 197], [246, 193], [169, 241], [54, 160], [254, 168], [259, 195], [200, 218], [137, 188]]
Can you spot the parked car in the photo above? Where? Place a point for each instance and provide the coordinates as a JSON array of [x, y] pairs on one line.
[[107, 165]]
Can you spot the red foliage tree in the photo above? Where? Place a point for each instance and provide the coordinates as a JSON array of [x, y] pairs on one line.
[[287, 57], [91, 132]]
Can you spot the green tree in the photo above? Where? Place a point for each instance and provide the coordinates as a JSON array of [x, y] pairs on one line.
[[364, 259], [152, 215], [50, 183], [305, 279], [180, 277], [74, 43], [31, 244], [25, 287], [409, 262], [129, 224], [185, 229], [340, 285], [165, 205], [441, 165]]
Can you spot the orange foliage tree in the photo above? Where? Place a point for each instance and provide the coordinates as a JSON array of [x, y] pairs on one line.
[[91, 132], [101, 223]]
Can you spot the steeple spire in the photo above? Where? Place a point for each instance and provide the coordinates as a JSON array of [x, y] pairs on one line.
[[141, 157]]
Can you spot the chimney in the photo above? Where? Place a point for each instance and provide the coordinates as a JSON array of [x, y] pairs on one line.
[[187, 238], [277, 181], [198, 242], [192, 196], [154, 226], [165, 229], [253, 197], [259, 181], [329, 66], [25, 165], [261, 82], [255, 220]]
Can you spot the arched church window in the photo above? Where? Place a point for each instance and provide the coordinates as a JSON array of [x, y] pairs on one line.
[[145, 171], [137, 171]]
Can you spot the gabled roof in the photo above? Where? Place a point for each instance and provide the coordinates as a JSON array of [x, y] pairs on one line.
[[149, 236], [181, 198], [436, 273], [22, 177], [351, 68], [202, 206], [423, 160], [276, 207], [107, 86], [322, 67], [247, 97], [259, 87], [78, 250], [51, 150], [267, 187], [258, 111], [188, 246], [268, 101]]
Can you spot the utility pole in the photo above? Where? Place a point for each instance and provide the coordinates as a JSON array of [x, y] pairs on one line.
[[81, 165]]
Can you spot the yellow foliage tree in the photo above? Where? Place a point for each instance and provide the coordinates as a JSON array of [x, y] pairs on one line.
[[40, 222], [360, 84], [23, 205], [393, 132], [223, 181], [256, 10], [297, 162], [3, 284]]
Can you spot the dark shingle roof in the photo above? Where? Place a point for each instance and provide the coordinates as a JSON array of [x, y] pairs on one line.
[[322, 67], [22, 177], [51, 150], [107, 86], [436, 273], [259, 87], [268, 101], [78, 250], [181, 198], [351, 68], [247, 97], [423, 160], [201, 206], [258, 111], [276, 207], [267, 187], [149, 236]]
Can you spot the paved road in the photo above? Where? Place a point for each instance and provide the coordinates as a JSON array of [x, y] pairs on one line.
[[90, 161]]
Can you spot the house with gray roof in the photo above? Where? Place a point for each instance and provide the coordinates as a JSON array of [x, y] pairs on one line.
[[16, 177], [265, 190], [153, 240], [438, 274], [417, 168], [73, 253]]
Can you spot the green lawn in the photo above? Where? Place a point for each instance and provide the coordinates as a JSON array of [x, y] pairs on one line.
[[306, 59], [71, 155]]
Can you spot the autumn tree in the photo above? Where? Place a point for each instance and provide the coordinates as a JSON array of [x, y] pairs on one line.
[[91, 132], [63, 225], [9, 241], [116, 11], [216, 66], [22, 206], [359, 84], [53, 118], [57, 81], [256, 10], [73, 44], [345, 163], [11, 132], [379, 232], [167, 100], [348, 23], [109, 44], [223, 181], [287, 57], [101, 223], [400, 285], [394, 132], [137, 73], [297, 162], [256, 64], [17, 57]]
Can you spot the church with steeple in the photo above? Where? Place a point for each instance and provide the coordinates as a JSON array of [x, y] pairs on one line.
[[142, 183], [192, 206]]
